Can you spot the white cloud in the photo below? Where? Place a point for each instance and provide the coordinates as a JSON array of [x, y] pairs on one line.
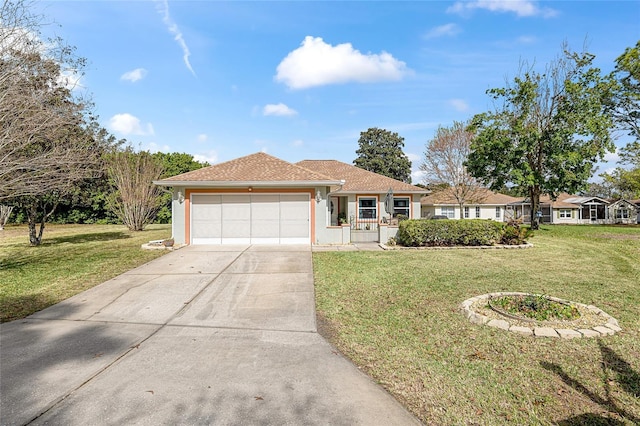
[[526, 40], [134, 75], [279, 110], [443, 30], [612, 157], [519, 7], [177, 34], [128, 124], [413, 157], [417, 176], [70, 79], [154, 147], [297, 143], [408, 127], [202, 138], [316, 63], [210, 157], [459, 104]]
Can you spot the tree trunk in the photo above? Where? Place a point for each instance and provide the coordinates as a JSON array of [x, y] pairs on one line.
[[35, 238], [461, 210], [5, 212], [534, 196]]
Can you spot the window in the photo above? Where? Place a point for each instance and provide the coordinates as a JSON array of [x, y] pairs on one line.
[[401, 206], [466, 212], [448, 212], [477, 211], [497, 212], [622, 214], [564, 213], [367, 208]]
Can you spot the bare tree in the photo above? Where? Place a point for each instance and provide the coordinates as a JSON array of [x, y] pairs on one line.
[[47, 142], [41, 146], [443, 164], [136, 200], [5, 212]]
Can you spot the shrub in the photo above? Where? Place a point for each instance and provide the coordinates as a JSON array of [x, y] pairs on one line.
[[425, 232], [514, 233]]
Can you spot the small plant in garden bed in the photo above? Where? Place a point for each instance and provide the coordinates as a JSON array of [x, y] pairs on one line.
[[514, 233], [537, 307]]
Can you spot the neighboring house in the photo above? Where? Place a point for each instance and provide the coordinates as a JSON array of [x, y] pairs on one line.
[[566, 209], [262, 199], [624, 211], [486, 205]]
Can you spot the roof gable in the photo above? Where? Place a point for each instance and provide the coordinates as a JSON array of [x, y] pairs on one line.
[[358, 180], [483, 197], [623, 202], [258, 167]]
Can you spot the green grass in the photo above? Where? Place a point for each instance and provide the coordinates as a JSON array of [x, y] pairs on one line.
[[71, 259], [395, 314]]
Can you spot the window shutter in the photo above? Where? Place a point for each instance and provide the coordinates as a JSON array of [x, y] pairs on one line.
[[558, 214], [573, 214]]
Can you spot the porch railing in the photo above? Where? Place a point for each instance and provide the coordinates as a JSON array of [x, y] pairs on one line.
[[364, 224]]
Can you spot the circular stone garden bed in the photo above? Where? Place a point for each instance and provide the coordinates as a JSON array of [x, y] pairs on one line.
[[539, 315]]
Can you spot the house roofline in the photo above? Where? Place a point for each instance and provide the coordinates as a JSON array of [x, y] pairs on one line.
[[236, 184], [395, 192]]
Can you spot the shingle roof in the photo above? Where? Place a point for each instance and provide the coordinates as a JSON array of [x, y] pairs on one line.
[[560, 201], [259, 167], [563, 200], [358, 180], [483, 197]]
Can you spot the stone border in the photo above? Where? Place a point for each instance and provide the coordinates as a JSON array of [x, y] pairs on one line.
[[609, 325], [496, 247]]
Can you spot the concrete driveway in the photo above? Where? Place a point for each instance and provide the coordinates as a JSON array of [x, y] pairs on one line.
[[219, 335]]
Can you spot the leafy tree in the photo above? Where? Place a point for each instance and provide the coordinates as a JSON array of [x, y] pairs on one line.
[[625, 182], [380, 151], [625, 110], [602, 189], [630, 154], [87, 201], [173, 163], [443, 163], [136, 200], [549, 131], [626, 105]]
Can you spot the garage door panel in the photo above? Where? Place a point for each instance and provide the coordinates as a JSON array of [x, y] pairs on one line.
[[294, 206], [206, 213], [265, 222], [295, 230], [294, 218], [236, 208], [236, 219], [250, 219]]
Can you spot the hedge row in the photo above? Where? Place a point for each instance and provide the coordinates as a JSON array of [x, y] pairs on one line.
[[431, 233]]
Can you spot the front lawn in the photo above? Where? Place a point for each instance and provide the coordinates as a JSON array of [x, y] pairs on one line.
[[395, 314], [71, 259]]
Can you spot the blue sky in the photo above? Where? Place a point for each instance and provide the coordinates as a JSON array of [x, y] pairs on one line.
[[301, 80]]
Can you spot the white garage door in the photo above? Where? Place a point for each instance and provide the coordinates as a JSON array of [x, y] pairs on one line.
[[250, 219]]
